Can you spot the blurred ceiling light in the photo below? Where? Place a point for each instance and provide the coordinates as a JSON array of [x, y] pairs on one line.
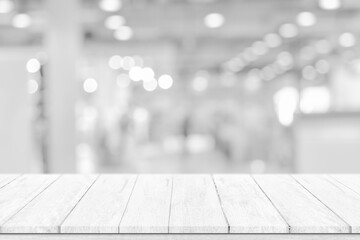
[[235, 65], [6, 6], [200, 83], [253, 82], [113, 22], [128, 63], [322, 66], [148, 74], [165, 81], [347, 39], [110, 5], [286, 101], [33, 86], [315, 100], [285, 59], [123, 33], [323, 46], [267, 73], [135, 73], [288, 30], [21, 20], [115, 62], [306, 19], [33, 65], [123, 80], [309, 73], [150, 85], [90, 85], [278, 68], [330, 4], [249, 55], [272, 40], [260, 48], [214, 20]]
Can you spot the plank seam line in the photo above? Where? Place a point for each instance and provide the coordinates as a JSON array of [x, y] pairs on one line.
[[171, 198], [72, 209], [281, 215], [350, 228], [127, 203], [13, 215], [221, 205], [337, 180], [12, 180]]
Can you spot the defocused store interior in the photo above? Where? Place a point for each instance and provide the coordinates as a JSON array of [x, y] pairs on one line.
[[180, 86]]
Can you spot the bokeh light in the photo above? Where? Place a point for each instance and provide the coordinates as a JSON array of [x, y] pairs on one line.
[[347, 39], [273, 40], [200, 83], [214, 20], [21, 20], [110, 5], [165, 81], [115, 62], [114, 22], [135, 73], [33, 86], [128, 63], [150, 85], [306, 19], [123, 33], [33, 65], [6, 6], [330, 4], [148, 74], [288, 30], [90, 85]]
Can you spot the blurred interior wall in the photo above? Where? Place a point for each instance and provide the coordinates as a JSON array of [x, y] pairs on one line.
[[328, 143], [63, 43], [16, 142]]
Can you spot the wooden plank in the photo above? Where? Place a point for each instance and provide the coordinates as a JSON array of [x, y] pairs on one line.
[[195, 206], [352, 181], [301, 210], [15, 195], [246, 207], [47, 211], [103, 206], [149, 205], [339, 198], [7, 178], [179, 236]]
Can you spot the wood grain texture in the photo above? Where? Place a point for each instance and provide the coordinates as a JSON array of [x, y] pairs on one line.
[[47, 211], [149, 206], [195, 206], [301, 210], [350, 180], [103, 206], [339, 198], [15, 195], [179, 237], [7, 178], [246, 207]]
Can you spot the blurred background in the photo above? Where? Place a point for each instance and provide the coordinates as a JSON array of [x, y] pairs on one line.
[[179, 86]]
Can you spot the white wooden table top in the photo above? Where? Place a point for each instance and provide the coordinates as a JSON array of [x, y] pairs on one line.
[[180, 204]]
